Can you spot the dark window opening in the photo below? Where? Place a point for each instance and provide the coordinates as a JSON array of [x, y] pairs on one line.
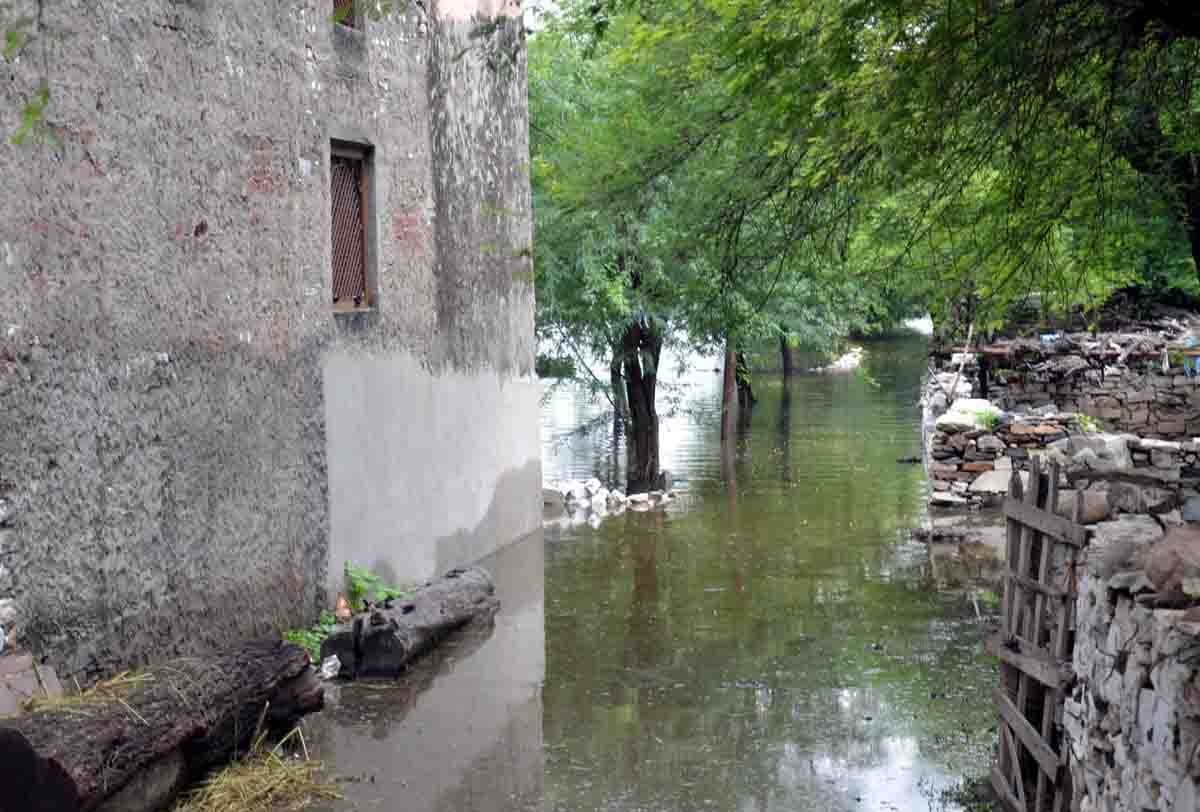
[[348, 191], [344, 13]]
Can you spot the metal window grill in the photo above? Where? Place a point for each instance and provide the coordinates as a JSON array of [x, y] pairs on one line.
[[345, 13], [349, 243]]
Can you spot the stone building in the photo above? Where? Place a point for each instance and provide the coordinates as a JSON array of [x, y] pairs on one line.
[[267, 307]]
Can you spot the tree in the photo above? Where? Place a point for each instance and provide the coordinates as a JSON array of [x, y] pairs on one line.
[[994, 144]]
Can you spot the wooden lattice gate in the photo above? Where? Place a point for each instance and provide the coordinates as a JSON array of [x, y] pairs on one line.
[[1034, 644]]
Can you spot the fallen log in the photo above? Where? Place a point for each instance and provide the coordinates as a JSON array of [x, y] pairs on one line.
[[383, 640], [136, 747]]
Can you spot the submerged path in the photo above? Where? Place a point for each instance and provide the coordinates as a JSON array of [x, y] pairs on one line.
[[769, 643]]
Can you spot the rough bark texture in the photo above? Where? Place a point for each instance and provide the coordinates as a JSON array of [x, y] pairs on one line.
[[383, 641], [729, 394], [641, 347], [786, 363], [745, 384], [617, 381], [73, 757]]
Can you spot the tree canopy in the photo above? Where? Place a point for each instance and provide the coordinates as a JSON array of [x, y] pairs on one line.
[[858, 156]]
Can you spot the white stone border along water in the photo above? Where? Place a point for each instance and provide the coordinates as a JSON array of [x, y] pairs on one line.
[[590, 502]]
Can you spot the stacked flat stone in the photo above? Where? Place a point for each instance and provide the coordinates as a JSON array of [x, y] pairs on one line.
[[1133, 717], [1126, 399]]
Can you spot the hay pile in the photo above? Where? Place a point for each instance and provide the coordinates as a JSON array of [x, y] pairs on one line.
[[266, 779]]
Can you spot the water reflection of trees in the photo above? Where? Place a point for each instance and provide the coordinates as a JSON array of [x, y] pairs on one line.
[[745, 654]]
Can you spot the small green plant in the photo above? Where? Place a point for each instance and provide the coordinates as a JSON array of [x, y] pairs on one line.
[[988, 419], [312, 638], [362, 586], [1087, 424]]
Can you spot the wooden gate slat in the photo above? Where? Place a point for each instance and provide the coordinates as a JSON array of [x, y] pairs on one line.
[[1062, 530], [1027, 734], [1034, 643]]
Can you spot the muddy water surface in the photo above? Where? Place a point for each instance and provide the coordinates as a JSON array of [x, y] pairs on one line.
[[772, 641]]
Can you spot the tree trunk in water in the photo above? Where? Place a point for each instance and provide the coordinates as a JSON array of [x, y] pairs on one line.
[[785, 356], [745, 386], [785, 431], [729, 395], [617, 380], [181, 719], [641, 346]]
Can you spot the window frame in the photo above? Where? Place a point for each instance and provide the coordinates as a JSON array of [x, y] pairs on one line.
[[363, 154]]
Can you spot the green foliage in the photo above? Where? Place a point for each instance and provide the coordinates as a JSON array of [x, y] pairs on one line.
[[16, 37], [1087, 424], [312, 638], [989, 419], [363, 586], [33, 120], [877, 157], [553, 366]]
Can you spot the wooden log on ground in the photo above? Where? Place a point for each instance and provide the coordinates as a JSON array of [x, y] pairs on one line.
[[185, 715], [384, 639]]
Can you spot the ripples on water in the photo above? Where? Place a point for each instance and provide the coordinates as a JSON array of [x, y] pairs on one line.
[[771, 642]]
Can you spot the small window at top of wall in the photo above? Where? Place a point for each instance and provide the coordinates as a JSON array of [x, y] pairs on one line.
[[349, 175], [345, 13]]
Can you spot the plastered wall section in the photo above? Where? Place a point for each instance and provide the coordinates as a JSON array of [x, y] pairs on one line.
[[165, 308], [434, 460]]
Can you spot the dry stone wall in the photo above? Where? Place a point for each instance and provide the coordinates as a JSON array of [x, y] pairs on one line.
[[1132, 719], [1126, 399], [972, 446]]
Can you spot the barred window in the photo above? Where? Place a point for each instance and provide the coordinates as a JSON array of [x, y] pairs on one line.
[[348, 192]]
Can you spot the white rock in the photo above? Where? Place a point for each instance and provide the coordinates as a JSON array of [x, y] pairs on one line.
[[593, 486], [997, 481], [639, 498], [616, 498], [594, 521], [331, 666], [944, 499], [965, 415]]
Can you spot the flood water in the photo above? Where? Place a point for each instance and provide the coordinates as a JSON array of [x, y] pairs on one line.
[[771, 641]]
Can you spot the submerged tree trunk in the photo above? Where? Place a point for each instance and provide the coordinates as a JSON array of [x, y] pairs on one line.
[[745, 385], [729, 394], [617, 381], [641, 346], [786, 362]]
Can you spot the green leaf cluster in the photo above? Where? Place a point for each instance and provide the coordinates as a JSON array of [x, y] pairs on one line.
[[848, 162], [364, 586]]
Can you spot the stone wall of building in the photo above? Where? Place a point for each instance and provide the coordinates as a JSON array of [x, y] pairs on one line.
[[195, 442]]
